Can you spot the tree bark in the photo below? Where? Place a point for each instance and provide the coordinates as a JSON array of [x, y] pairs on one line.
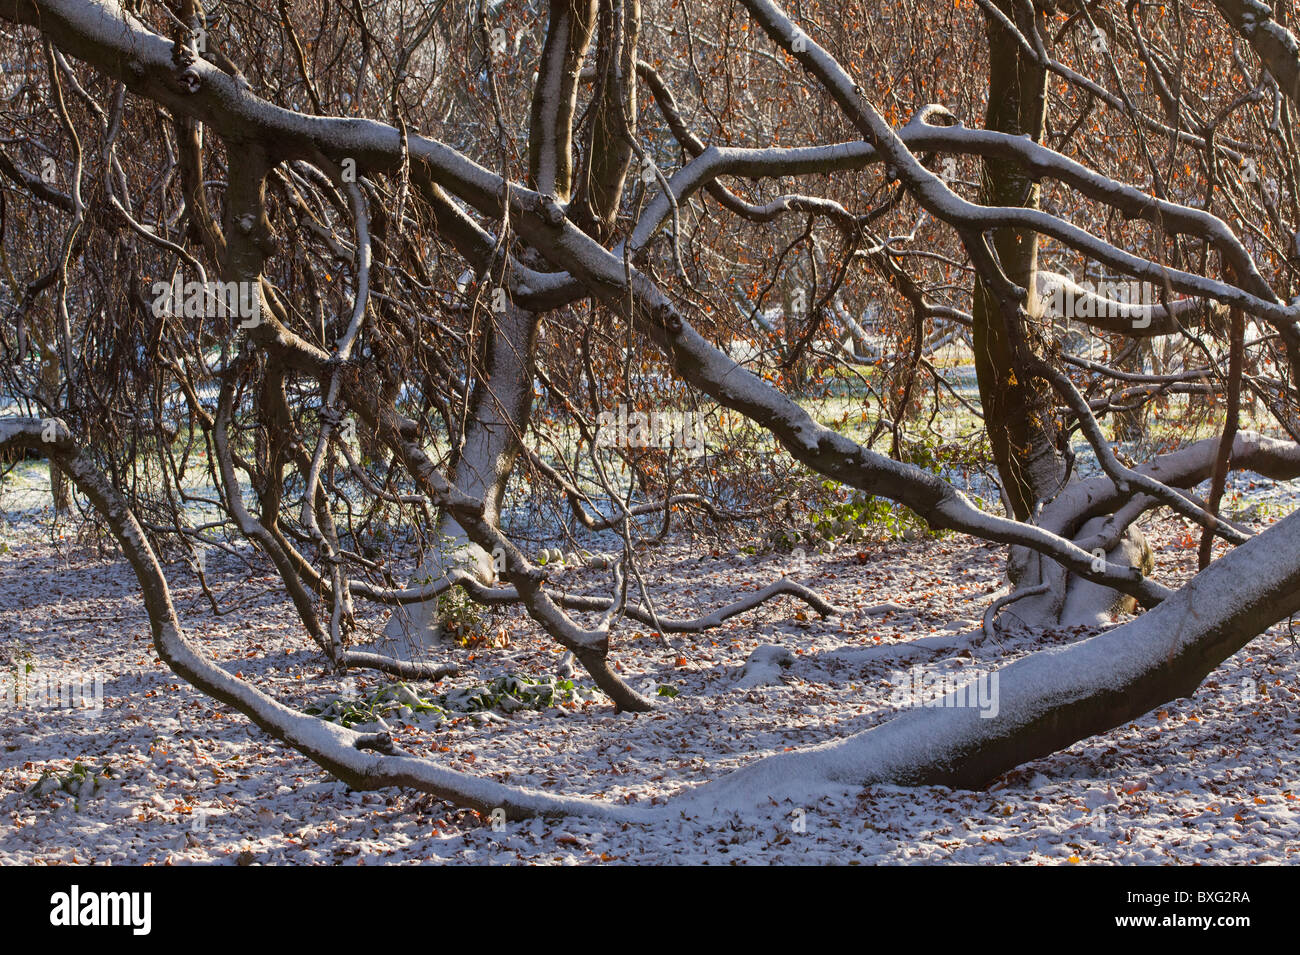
[[1037, 706], [60, 493], [500, 407], [1051, 699], [1017, 409]]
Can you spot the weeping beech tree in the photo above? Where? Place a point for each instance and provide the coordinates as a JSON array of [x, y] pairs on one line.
[[1017, 408], [358, 257]]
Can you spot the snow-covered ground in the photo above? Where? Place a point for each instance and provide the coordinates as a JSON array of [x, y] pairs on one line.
[[1211, 779]]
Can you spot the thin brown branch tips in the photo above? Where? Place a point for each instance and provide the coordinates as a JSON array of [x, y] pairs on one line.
[[666, 367]]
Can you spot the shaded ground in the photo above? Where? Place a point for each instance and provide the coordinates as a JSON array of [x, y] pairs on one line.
[[1210, 779]]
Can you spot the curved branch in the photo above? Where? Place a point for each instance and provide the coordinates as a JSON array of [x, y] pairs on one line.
[[358, 759]]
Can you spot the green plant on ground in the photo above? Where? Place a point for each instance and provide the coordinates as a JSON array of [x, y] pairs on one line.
[[81, 782], [508, 694], [20, 666], [853, 517], [460, 616]]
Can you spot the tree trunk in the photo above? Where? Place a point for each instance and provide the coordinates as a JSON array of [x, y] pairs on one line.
[[1049, 700], [1100, 519], [1030, 709], [500, 406], [1017, 409], [60, 492]]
